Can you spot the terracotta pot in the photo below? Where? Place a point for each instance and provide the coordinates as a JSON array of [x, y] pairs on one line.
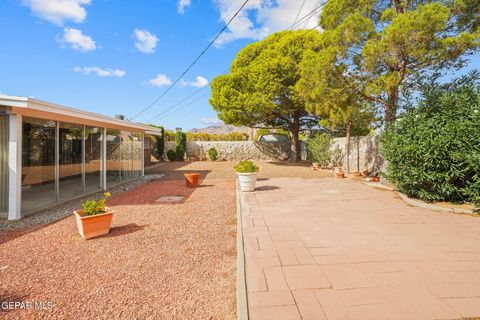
[[192, 179], [93, 226], [375, 179], [340, 175], [338, 170], [357, 174], [365, 173]]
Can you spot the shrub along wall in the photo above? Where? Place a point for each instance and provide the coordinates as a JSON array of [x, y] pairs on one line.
[[434, 150], [237, 150], [364, 151]]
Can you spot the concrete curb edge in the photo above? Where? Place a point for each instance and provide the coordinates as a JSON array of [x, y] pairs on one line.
[[419, 203], [242, 305]]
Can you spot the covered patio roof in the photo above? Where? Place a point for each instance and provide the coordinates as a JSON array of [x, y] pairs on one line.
[[31, 107]]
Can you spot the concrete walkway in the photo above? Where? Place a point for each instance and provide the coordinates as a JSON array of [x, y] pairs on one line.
[[338, 249]]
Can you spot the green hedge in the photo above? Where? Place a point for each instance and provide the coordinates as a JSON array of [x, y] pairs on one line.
[[318, 148], [433, 151], [181, 145]]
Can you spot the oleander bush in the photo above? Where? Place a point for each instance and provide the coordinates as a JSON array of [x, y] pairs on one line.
[[213, 154], [433, 150], [171, 155]]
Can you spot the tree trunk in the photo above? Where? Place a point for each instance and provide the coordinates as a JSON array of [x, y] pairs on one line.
[[391, 107], [295, 145], [349, 130]]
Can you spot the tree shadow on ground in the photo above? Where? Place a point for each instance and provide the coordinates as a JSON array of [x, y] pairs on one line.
[[292, 164]]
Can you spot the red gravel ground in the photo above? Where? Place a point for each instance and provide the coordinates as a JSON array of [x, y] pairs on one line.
[[160, 261]]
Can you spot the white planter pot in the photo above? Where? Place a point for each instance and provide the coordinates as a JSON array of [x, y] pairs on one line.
[[338, 169], [247, 181]]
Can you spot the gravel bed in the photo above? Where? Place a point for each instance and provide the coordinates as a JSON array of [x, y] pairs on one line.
[[60, 211], [160, 261]]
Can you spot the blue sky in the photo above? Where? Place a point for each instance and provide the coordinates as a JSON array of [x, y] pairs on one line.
[[117, 57]]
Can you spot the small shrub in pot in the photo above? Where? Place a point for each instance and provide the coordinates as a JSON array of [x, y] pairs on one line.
[[247, 175], [95, 218]]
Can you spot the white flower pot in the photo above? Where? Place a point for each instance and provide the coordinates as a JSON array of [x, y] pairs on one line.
[[247, 181], [338, 169]]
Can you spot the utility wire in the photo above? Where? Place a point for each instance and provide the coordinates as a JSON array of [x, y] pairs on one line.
[[193, 63], [177, 103], [299, 11], [184, 106], [182, 100], [169, 110]]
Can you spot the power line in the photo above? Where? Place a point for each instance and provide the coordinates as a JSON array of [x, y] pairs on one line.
[[184, 106], [193, 63], [307, 16], [168, 111], [306, 22], [177, 103], [299, 11], [182, 100]]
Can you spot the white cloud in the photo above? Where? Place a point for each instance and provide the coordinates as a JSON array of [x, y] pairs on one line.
[[259, 18], [59, 11], [160, 80], [200, 82], [211, 121], [100, 72], [77, 40], [145, 41], [182, 5]]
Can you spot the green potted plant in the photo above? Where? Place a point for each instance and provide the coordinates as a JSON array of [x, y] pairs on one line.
[[95, 218], [247, 175]]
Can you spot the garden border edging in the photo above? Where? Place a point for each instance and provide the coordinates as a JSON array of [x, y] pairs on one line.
[[419, 203], [242, 305]]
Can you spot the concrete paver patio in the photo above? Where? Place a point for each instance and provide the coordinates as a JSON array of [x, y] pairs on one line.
[[337, 249]]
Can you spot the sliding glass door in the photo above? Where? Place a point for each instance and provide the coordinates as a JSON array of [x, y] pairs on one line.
[[93, 158], [70, 161], [38, 163], [62, 161]]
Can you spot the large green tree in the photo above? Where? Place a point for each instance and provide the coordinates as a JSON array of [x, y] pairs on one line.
[[261, 89], [378, 49]]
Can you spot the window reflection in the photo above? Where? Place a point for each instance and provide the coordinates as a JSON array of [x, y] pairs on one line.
[[93, 156], [38, 163], [70, 160]]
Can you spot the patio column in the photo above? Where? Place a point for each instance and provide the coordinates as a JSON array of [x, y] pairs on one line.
[[104, 159], [143, 155], [14, 167]]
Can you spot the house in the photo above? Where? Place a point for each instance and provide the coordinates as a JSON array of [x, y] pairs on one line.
[[51, 154]]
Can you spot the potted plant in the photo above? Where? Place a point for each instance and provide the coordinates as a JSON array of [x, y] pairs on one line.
[[95, 218], [247, 175]]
